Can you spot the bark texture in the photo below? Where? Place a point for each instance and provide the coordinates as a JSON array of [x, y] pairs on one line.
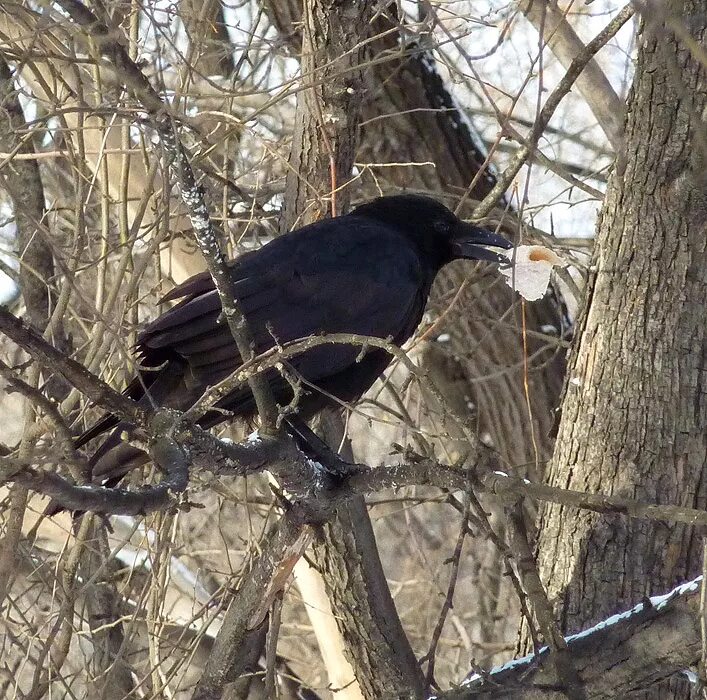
[[326, 138], [634, 415], [657, 638], [328, 109], [377, 646]]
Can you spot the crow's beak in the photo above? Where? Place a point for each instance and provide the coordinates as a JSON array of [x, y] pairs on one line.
[[468, 239]]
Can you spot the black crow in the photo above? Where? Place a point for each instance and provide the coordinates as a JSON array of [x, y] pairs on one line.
[[368, 272]]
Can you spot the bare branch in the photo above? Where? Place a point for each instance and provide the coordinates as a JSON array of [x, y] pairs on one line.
[[551, 104], [117, 501], [617, 657], [75, 373], [591, 83], [192, 194]]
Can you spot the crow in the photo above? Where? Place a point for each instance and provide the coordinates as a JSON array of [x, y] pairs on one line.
[[368, 272]]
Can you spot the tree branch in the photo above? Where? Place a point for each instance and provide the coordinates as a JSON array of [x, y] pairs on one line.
[[192, 193], [563, 87], [75, 373], [279, 455], [619, 656], [593, 85]]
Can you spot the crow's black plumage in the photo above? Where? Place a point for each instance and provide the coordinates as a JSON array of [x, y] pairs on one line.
[[369, 273]]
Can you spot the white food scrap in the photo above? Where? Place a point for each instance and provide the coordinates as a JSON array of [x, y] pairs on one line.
[[530, 273]]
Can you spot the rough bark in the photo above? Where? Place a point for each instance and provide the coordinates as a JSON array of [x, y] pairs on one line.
[[328, 109], [634, 414], [325, 139], [348, 557], [375, 641]]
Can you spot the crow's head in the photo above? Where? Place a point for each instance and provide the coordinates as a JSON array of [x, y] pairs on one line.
[[438, 233]]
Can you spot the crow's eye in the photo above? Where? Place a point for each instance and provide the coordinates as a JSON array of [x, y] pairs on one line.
[[441, 226]]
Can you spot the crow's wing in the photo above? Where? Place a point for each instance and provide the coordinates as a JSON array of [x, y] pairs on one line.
[[348, 275], [345, 275]]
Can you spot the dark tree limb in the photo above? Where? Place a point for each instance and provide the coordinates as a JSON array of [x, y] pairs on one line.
[[279, 455], [315, 488], [247, 614], [22, 180], [616, 658], [116, 501]]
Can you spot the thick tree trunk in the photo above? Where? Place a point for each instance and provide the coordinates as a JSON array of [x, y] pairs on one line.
[[323, 149], [634, 415], [328, 112], [409, 115]]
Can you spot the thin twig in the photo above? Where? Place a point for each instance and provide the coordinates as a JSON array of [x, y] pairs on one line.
[[449, 598], [192, 193], [551, 104], [271, 686]]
